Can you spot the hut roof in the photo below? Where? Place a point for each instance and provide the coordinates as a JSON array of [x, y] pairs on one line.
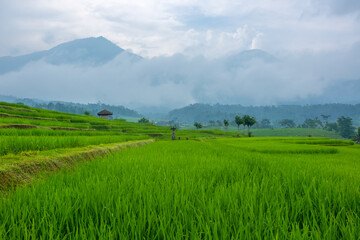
[[104, 112]]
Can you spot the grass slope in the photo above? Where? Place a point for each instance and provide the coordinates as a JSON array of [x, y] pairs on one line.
[[27, 132], [22, 169]]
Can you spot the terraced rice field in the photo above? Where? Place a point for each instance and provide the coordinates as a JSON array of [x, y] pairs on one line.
[[233, 188]]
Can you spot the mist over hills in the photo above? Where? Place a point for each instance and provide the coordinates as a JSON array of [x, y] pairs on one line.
[[95, 69], [204, 113], [244, 58], [89, 51]]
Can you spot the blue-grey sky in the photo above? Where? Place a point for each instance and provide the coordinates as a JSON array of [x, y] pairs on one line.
[[158, 27]]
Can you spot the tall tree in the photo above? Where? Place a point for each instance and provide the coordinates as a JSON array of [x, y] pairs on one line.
[[198, 125], [265, 123], [239, 121], [288, 123], [356, 137], [249, 121], [325, 119], [226, 123], [312, 123], [345, 127], [143, 120], [331, 127]]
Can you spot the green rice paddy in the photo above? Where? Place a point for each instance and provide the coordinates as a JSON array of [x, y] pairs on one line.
[[283, 132], [18, 144], [194, 190], [215, 185]]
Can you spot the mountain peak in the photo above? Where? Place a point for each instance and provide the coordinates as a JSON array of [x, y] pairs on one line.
[[243, 58], [254, 54], [89, 50], [86, 51]]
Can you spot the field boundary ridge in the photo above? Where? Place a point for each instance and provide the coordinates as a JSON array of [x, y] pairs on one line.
[[30, 166]]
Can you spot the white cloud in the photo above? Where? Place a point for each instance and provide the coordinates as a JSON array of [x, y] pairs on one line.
[[314, 38], [158, 27]]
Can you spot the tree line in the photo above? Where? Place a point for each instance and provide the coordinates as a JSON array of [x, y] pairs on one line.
[[204, 112], [343, 125], [246, 121]]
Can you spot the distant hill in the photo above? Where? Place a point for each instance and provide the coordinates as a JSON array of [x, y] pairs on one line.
[[245, 57], [206, 112], [88, 51], [77, 108]]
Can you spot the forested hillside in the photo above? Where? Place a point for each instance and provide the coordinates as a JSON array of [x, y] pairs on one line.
[[92, 108], [205, 112]]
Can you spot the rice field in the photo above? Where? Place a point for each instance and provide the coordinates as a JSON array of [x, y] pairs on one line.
[[283, 132], [19, 144], [208, 189], [209, 184]]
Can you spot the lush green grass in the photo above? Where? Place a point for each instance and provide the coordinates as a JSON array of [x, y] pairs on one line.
[[44, 123], [210, 189], [280, 132], [18, 144], [295, 132], [49, 132], [45, 120], [24, 129], [222, 186]]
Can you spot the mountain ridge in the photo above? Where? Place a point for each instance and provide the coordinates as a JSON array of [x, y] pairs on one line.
[[201, 112], [90, 51]]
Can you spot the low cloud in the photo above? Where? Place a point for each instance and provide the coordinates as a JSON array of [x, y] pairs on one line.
[[179, 80]]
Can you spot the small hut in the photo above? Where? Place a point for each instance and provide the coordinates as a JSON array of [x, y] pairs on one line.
[[105, 114]]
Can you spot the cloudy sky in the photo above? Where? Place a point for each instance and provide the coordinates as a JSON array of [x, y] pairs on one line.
[[316, 41], [157, 27]]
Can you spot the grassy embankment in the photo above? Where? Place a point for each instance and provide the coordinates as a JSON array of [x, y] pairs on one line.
[[259, 188]]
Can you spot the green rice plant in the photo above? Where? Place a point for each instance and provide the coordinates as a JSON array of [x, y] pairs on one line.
[[14, 105], [329, 142], [43, 123], [286, 132], [192, 190], [51, 132], [280, 146], [18, 144]]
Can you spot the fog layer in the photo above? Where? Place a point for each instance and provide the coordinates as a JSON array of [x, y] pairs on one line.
[[176, 81]]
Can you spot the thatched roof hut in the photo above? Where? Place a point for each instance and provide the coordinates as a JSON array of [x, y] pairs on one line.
[[105, 114]]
